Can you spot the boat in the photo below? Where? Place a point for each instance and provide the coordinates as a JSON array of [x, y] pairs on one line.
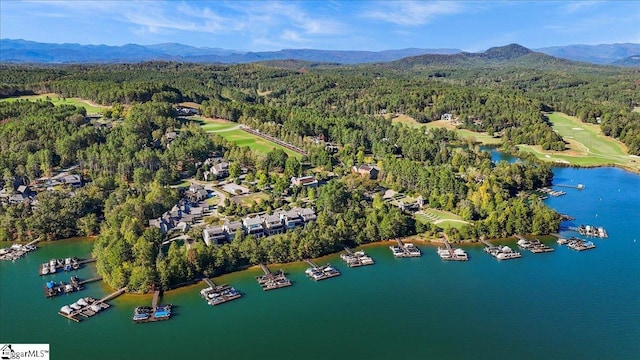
[[75, 306], [52, 269], [444, 253], [461, 254], [66, 310], [562, 241]]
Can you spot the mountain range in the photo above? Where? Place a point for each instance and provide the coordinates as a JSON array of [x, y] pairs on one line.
[[22, 51]]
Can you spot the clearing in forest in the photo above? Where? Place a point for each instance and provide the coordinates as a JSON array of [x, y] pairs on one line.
[[92, 108], [482, 137], [443, 219], [587, 146]]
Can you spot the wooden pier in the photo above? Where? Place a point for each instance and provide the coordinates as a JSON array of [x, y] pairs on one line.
[[405, 250], [500, 252], [450, 254], [145, 314], [88, 307], [323, 272], [356, 259], [218, 294], [579, 186], [67, 264], [16, 251], [535, 245], [579, 244], [592, 231], [271, 281], [52, 288]]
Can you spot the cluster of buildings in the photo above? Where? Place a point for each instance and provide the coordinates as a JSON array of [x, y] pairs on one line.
[[28, 194], [187, 212], [259, 225]]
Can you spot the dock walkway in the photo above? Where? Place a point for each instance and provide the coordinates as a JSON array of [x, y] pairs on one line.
[[535, 245], [323, 272], [449, 254], [271, 281], [88, 307], [218, 294], [404, 250], [356, 259], [145, 314]]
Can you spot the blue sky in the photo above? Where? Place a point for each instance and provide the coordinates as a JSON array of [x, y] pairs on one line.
[[339, 25]]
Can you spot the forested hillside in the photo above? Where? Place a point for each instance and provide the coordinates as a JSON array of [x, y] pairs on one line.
[[127, 163]]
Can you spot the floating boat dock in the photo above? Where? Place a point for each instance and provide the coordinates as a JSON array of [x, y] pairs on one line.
[[155, 312], [87, 307], [323, 272], [552, 192], [593, 231], [449, 254], [359, 258], [16, 251], [534, 245], [577, 244], [271, 281], [405, 250], [500, 252], [67, 264], [218, 294], [52, 288]]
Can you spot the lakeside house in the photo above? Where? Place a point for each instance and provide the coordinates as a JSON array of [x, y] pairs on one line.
[[253, 226], [231, 227], [214, 235], [369, 171], [259, 226], [291, 218], [273, 224]]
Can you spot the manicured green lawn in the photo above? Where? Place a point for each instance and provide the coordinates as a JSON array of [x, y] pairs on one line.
[[57, 100], [587, 145], [442, 219], [254, 142], [482, 138], [215, 127]]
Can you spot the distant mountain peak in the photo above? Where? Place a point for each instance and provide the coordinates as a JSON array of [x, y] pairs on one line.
[[507, 52]]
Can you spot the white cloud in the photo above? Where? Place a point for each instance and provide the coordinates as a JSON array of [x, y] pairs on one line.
[[576, 6], [412, 13]]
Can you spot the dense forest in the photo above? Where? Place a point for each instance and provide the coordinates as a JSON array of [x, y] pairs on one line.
[[129, 165]]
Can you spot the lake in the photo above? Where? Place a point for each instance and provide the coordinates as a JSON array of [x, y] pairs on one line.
[[559, 305]]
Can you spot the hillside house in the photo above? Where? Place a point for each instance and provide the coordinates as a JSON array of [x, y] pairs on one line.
[[291, 218], [214, 235], [253, 226], [230, 227], [369, 171], [309, 181], [273, 224]]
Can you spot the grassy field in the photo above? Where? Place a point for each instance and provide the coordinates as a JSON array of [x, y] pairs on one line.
[[254, 142], [443, 219], [482, 138], [587, 145], [91, 107], [249, 200], [636, 109]]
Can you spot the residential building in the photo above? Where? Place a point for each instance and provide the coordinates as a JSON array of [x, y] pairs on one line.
[[370, 171], [304, 181], [307, 214], [253, 226], [291, 218], [230, 227], [273, 224], [214, 235]]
